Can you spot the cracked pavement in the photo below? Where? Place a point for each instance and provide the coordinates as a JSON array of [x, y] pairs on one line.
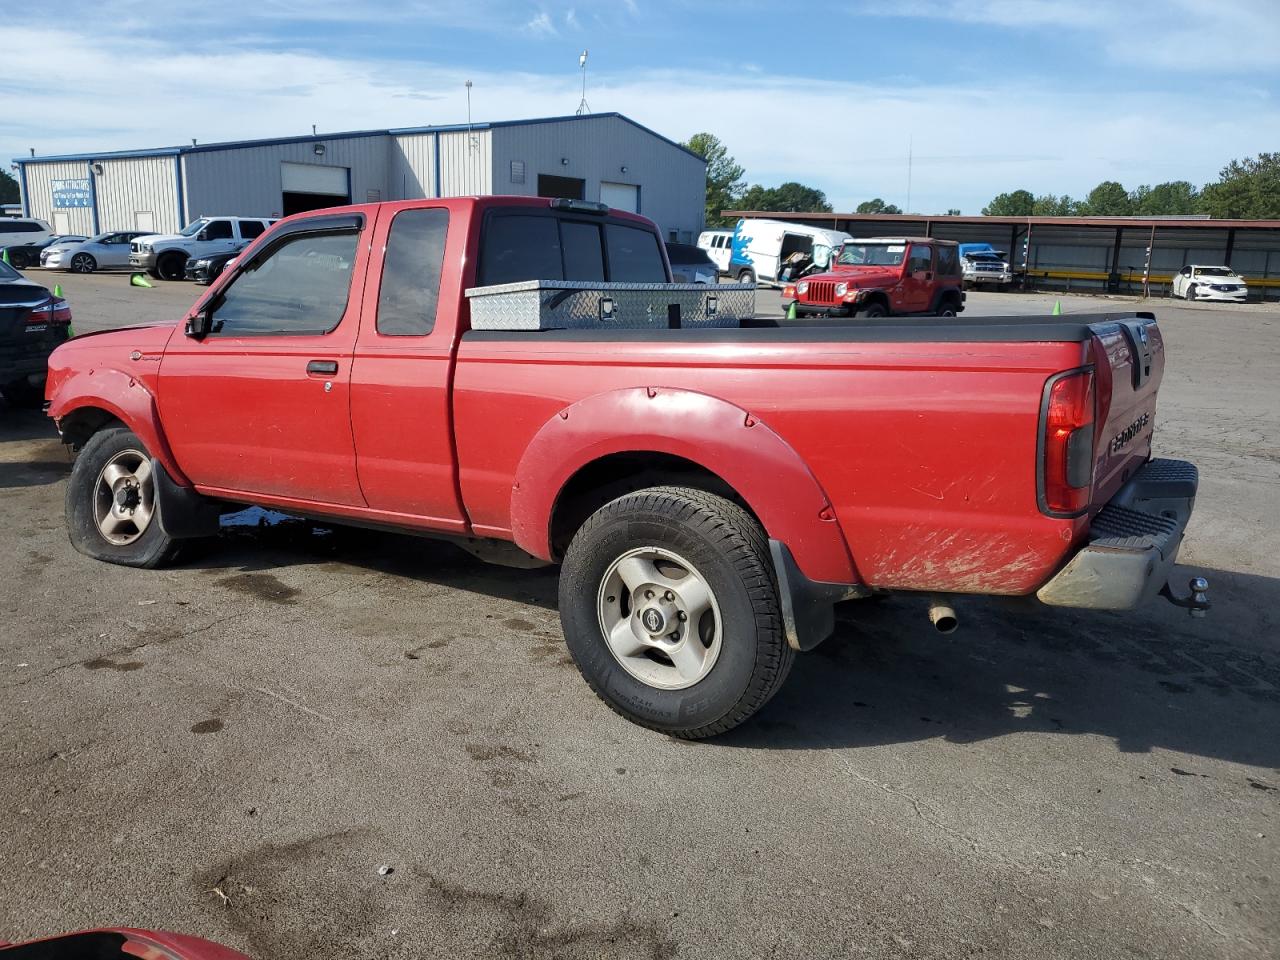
[[234, 747]]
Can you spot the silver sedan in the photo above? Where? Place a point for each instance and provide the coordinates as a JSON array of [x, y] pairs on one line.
[[104, 251]]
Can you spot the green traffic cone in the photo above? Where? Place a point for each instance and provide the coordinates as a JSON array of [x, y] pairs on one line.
[[139, 280], [1057, 308], [5, 256], [791, 311], [57, 290]]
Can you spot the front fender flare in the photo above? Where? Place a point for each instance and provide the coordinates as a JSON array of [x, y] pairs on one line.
[[719, 436], [125, 398]]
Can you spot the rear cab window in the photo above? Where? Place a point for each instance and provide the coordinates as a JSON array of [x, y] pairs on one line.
[[249, 229], [520, 245]]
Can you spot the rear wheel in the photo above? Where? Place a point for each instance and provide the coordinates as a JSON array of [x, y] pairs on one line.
[[18, 260], [670, 609], [111, 508], [83, 263], [746, 276], [948, 308], [172, 266]]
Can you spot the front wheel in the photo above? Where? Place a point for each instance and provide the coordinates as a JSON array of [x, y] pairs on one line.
[[83, 263], [172, 266], [1191, 292], [670, 609], [873, 310], [111, 508]]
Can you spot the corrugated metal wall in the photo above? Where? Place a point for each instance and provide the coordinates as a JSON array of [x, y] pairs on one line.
[[245, 181], [136, 185], [40, 194], [672, 182], [411, 168], [466, 165]]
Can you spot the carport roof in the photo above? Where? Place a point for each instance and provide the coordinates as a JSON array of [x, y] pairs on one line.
[[1160, 223], [348, 135]]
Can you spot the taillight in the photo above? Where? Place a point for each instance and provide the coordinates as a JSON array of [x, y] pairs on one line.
[[1067, 443], [53, 310]]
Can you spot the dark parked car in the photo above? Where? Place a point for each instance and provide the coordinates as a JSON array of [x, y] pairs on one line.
[[120, 943], [32, 322], [28, 254], [690, 264], [208, 269]]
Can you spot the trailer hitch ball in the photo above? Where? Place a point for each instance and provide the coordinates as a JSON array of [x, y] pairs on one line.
[[1196, 602]]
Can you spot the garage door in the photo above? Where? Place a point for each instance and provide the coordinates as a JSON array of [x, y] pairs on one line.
[[313, 178], [622, 196]]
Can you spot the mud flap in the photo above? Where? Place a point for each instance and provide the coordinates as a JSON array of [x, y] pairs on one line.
[[184, 513], [808, 606]]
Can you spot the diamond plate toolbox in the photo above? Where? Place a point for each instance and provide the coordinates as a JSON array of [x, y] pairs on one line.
[[587, 305]]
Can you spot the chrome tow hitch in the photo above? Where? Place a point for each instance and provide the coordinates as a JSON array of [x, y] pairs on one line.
[[1196, 602]]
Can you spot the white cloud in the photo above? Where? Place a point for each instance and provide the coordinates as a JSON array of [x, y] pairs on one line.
[[541, 24], [970, 141]]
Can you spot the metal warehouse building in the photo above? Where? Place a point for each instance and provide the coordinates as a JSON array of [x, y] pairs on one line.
[[1089, 254], [602, 156]]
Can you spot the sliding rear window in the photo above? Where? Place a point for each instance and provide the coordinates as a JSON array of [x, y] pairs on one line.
[[519, 246]]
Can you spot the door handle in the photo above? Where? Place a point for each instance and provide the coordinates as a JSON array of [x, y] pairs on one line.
[[325, 368]]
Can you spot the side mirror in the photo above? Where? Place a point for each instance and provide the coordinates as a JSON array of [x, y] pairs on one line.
[[199, 324]]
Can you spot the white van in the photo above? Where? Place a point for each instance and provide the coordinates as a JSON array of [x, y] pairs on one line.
[[763, 249], [718, 244], [19, 231]]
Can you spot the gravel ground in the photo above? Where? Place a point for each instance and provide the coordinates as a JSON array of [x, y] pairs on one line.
[[234, 747]]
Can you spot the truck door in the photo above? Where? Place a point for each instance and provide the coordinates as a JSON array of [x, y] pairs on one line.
[[261, 404], [401, 413], [917, 282]]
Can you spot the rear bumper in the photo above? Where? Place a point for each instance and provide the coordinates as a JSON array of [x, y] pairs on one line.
[[1133, 542]]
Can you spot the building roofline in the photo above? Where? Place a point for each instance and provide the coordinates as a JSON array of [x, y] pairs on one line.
[[890, 218], [345, 135]]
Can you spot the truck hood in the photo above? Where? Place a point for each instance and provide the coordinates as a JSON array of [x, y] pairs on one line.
[[868, 276], [144, 337], [151, 239]]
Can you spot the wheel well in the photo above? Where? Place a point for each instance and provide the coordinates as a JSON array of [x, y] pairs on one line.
[[618, 474], [876, 296], [83, 422]]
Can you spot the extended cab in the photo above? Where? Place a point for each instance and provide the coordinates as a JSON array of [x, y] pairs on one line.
[[881, 277], [710, 492], [165, 256]]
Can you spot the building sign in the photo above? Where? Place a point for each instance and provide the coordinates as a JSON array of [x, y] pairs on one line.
[[71, 193]]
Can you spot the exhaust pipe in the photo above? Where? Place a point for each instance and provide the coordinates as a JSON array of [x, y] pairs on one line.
[[943, 616]]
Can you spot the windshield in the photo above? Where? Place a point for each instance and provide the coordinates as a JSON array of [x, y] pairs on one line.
[[194, 227], [1214, 272], [872, 254]]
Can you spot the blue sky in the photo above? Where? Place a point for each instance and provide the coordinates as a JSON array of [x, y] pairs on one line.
[[1051, 95]]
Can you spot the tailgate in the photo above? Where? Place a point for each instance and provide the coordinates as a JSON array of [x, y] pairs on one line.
[[1128, 365]]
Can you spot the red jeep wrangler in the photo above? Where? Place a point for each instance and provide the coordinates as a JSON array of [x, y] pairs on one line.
[[881, 277]]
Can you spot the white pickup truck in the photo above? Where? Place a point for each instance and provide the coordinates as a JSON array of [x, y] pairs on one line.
[[165, 255]]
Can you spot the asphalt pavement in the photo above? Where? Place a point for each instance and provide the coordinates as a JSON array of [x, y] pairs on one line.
[[306, 742]]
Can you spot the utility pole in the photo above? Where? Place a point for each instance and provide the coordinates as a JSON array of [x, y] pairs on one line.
[[582, 65]]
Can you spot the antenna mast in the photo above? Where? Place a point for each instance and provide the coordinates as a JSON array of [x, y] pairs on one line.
[[582, 65], [910, 144], [472, 141]]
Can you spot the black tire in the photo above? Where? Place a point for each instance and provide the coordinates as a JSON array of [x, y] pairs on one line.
[[18, 260], [746, 276], [948, 308], [873, 309], [728, 548], [23, 393], [83, 263], [172, 266], [1190, 292], [153, 548]]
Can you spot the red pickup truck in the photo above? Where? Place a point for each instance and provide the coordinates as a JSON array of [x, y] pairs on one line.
[[710, 493], [882, 277]]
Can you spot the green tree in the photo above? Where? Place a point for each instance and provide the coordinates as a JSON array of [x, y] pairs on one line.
[[877, 206], [1019, 203], [1050, 205], [790, 197], [1108, 199], [8, 188], [1177, 197], [1248, 190], [724, 176], [953, 211]]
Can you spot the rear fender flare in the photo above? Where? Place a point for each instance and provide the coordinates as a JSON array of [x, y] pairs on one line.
[[717, 435], [125, 398]]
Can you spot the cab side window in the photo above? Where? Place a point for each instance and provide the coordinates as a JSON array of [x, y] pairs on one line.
[[300, 286], [217, 230], [249, 229], [921, 260], [410, 289]]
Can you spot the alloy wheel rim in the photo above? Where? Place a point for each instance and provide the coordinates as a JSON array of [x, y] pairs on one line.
[[124, 498], [660, 618]]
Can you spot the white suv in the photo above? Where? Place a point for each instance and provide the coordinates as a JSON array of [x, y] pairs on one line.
[[165, 256], [19, 231]]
